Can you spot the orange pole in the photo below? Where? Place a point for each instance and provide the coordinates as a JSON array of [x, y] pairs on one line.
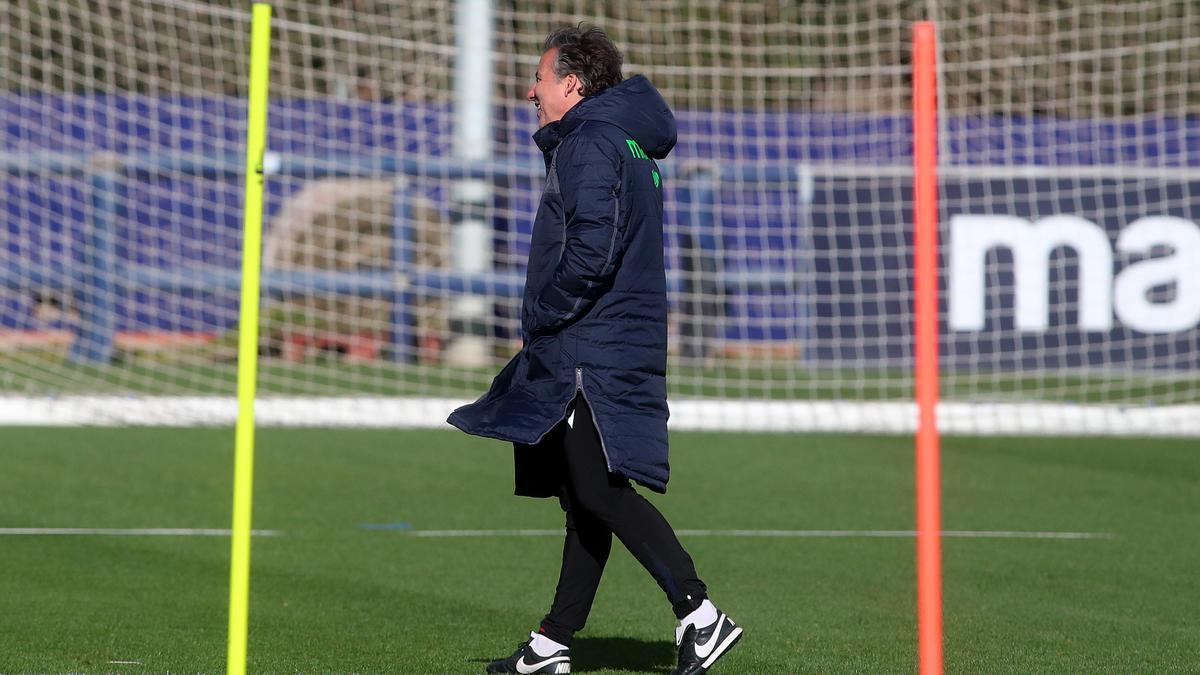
[[929, 518]]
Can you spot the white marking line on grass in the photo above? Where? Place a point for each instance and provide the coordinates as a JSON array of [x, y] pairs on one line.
[[138, 532], [957, 534], [486, 533], [969, 534]]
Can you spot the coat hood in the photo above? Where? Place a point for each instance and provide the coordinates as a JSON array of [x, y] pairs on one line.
[[634, 105]]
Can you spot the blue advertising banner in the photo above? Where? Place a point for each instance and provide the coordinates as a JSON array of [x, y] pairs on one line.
[[1041, 269]]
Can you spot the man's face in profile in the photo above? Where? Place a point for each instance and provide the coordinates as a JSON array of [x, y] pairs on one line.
[[551, 96]]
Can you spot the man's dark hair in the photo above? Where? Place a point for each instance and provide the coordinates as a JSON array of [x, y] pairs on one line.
[[588, 54]]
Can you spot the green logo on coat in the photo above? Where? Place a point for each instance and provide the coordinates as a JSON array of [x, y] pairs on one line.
[[638, 153]]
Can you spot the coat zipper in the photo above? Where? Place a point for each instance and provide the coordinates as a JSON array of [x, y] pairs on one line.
[[595, 423]]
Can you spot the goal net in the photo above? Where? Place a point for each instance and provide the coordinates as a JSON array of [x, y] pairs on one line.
[[402, 182]]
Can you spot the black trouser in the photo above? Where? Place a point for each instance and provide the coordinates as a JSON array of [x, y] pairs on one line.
[[599, 504]]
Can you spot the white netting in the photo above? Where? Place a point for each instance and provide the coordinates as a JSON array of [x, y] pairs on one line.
[[1069, 190]]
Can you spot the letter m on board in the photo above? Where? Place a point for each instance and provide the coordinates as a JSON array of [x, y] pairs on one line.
[[635, 149]]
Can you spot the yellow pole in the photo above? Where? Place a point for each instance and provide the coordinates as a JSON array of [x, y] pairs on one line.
[[243, 474]]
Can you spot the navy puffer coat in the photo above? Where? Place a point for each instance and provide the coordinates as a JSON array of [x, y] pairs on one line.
[[594, 313]]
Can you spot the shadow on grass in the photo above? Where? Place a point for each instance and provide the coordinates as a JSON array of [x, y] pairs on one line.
[[622, 653], [619, 653]]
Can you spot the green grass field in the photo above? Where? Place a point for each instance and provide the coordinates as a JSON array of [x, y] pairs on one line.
[[330, 596]]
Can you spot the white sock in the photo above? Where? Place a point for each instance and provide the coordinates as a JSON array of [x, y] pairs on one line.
[[703, 615], [544, 646]]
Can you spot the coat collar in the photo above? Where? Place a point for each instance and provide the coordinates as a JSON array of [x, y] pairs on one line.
[[549, 136]]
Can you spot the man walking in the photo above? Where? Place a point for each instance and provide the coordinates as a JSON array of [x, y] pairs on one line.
[[584, 402]]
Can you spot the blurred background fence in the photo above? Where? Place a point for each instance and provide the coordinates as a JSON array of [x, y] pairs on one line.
[[402, 184]]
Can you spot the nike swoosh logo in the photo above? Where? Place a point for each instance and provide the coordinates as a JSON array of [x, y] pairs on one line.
[[527, 668], [704, 650]]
